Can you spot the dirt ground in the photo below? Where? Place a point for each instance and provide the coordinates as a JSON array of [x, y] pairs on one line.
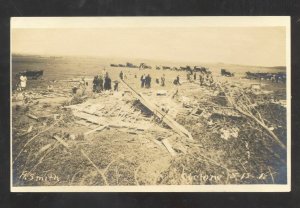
[[53, 142]]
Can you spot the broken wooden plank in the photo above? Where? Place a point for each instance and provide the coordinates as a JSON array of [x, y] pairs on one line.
[[86, 123], [100, 128], [180, 148], [169, 147], [123, 124], [116, 126], [88, 117]]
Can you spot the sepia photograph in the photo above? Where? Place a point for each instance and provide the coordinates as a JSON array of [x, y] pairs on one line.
[[158, 104]]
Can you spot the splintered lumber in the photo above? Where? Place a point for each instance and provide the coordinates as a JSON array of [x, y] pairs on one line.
[[88, 117], [100, 128], [169, 147], [179, 129], [89, 108]]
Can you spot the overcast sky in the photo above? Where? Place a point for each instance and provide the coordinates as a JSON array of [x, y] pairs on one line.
[[262, 46]]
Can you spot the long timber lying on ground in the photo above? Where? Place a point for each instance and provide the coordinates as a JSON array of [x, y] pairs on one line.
[[179, 129]]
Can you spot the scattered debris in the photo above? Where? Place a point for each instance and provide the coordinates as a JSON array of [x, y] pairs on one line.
[[100, 128], [168, 146], [165, 135], [161, 115]]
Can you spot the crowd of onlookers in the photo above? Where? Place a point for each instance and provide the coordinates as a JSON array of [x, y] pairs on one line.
[[103, 82]]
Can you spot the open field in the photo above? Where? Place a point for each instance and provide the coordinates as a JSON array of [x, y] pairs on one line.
[[237, 136]]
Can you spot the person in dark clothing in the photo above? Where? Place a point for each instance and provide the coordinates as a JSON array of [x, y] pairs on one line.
[[74, 90], [157, 81], [177, 80], [121, 75], [277, 78], [148, 81], [107, 83], [100, 83], [201, 79], [95, 81], [143, 80], [195, 76]]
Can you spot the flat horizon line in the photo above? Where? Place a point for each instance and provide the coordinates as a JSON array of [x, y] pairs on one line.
[[139, 58]]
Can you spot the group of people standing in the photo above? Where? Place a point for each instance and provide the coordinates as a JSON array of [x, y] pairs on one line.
[[100, 84], [205, 78], [146, 81], [191, 74]]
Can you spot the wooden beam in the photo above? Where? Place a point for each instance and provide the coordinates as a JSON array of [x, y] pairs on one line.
[[179, 129], [169, 147], [100, 128]]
